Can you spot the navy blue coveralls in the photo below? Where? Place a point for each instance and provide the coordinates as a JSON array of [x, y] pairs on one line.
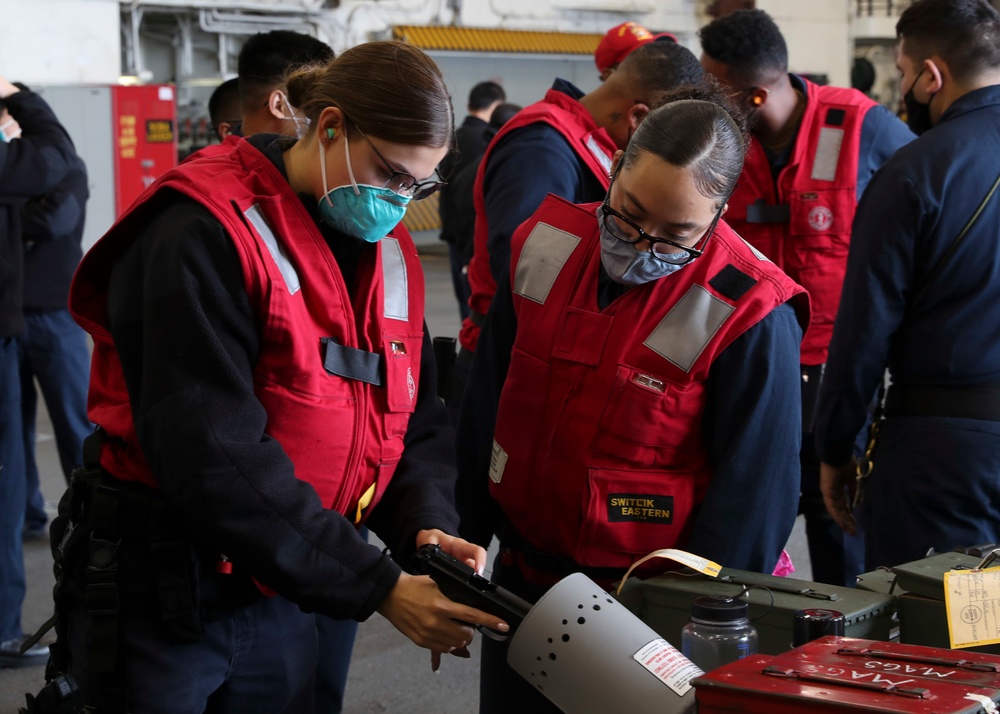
[[936, 478], [835, 557]]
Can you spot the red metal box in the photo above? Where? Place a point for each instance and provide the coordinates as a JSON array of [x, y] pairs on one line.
[[839, 674]]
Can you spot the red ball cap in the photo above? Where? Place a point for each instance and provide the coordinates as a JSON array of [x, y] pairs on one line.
[[618, 43]]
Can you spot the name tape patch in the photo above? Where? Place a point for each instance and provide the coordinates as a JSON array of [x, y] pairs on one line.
[[639, 508]]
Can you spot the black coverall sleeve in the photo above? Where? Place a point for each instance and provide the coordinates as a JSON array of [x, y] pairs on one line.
[[481, 514], [40, 158]]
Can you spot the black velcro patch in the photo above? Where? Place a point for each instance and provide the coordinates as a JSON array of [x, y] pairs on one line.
[[731, 282], [835, 117], [352, 363], [640, 508]]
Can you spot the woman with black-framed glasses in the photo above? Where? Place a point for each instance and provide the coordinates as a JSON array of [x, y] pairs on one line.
[[265, 384], [636, 384], [670, 249]]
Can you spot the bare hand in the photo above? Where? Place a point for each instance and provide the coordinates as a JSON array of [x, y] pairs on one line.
[[837, 484], [417, 608], [462, 652], [469, 553]]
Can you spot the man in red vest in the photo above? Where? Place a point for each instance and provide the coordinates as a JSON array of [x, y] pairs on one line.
[[561, 145], [265, 60], [224, 112], [256, 102], [814, 149]]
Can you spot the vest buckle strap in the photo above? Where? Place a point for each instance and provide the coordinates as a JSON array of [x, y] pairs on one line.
[[352, 363], [759, 212], [477, 318], [101, 598]]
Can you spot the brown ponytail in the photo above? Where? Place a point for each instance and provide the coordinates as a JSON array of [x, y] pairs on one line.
[[390, 90]]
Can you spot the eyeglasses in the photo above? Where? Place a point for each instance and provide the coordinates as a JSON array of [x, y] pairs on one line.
[[402, 183], [627, 231]]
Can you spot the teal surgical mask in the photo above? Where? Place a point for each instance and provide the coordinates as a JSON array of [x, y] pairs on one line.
[[363, 211], [9, 130]]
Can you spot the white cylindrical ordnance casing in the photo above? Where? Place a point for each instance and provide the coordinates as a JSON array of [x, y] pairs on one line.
[[586, 653]]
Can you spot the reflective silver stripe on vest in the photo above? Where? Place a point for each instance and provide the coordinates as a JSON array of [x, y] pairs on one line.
[[827, 154], [689, 326], [544, 255], [760, 256], [394, 280], [599, 153], [276, 250]]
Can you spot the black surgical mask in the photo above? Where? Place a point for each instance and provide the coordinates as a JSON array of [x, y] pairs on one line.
[[918, 114]]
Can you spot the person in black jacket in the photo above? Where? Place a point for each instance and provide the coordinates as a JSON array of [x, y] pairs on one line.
[[471, 141], [53, 348], [35, 154], [463, 208]]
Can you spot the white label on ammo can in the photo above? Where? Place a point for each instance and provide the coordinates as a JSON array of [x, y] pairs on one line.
[[664, 661]]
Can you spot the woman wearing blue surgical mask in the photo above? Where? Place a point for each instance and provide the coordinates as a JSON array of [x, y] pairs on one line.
[[264, 382], [636, 384]]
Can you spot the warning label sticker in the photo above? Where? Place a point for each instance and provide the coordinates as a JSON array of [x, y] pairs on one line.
[[665, 662]]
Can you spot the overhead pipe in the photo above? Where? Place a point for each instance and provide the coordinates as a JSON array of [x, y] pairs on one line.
[[136, 18], [223, 39], [247, 5], [185, 57], [127, 48], [216, 21]]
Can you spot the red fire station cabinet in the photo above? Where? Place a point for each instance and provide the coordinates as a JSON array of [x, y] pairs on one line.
[[126, 135]]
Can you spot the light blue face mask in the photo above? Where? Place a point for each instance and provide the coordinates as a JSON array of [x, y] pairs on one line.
[[628, 266], [363, 211], [9, 130]]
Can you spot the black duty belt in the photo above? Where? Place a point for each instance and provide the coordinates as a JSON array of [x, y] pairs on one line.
[[981, 401], [118, 509]]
